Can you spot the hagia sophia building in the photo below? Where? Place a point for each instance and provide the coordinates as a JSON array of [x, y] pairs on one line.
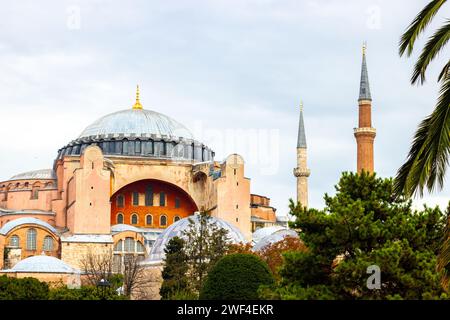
[[129, 183]]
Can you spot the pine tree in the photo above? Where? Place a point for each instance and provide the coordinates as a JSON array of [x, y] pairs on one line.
[[174, 276], [205, 244], [364, 226]]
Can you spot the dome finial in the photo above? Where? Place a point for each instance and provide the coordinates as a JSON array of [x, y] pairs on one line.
[[364, 48], [301, 105], [138, 104]]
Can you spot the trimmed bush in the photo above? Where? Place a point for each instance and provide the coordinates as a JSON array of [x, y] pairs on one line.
[[236, 277]]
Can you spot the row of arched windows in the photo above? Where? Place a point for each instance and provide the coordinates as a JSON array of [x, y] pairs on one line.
[[31, 245], [120, 200], [134, 219]]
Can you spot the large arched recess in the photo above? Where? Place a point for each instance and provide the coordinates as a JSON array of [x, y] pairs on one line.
[[177, 204]]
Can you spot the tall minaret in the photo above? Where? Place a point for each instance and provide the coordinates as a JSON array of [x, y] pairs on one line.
[[302, 172], [365, 134]]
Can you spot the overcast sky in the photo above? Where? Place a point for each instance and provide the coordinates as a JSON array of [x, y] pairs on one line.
[[232, 71]]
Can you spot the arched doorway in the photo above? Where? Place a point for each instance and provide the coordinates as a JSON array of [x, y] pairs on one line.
[[162, 201]]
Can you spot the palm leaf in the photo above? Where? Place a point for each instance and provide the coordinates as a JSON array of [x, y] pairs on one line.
[[434, 45], [429, 154], [444, 72], [418, 25]]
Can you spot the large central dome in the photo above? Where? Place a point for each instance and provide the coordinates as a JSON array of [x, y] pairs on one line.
[[139, 133], [137, 122]]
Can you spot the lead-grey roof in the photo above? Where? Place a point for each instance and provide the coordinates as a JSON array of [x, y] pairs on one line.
[[43, 174], [7, 227], [42, 264], [93, 238], [136, 122], [25, 212], [263, 232], [364, 88], [301, 140], [273, 238], [124, 227]]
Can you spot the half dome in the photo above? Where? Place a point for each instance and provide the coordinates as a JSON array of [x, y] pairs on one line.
[[176, 230]]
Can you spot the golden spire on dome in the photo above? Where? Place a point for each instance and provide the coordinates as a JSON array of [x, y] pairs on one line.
[[364, 47], [138, 104], [301, 105]]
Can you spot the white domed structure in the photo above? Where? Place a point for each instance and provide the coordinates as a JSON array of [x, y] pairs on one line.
[[141, 133], [43, 264], [263, 232], [176, 230], [273, 237], [137, 122]]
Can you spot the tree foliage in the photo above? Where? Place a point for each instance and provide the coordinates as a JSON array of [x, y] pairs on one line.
[[363, 224], [205, 244], [175, 282], [236, 277], [272, 254], [427, 160], [22, 289]]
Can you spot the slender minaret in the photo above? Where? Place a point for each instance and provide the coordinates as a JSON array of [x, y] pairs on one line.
[[302, 172], [365, 134]]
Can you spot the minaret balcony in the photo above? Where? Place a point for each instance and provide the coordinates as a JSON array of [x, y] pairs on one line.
[[300, 172], [365, 131]]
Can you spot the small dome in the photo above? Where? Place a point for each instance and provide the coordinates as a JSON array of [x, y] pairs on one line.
[[263, 232], [157, 253], [137, 122], [274, 237], [45, 264], [44, 174]]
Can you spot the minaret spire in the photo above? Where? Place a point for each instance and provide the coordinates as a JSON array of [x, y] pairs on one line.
[[301, 140], [365, 133], [301, 172], [364, 88], [138, 104]]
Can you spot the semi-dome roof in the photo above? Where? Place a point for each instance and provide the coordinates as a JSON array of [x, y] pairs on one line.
[[44, 264], [7, 227], [137, 122], [273, 238], [43, 174], [176, 230]]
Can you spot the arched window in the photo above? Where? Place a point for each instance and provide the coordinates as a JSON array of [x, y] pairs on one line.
[[120, 201], [176, 218], [14, 241], [162, 199], [129, 245], [48, 243], [149, 196], [177, 202], [31, 239], [134, 218], [149, 219], [140, 248], [135, 198], [119, 218], [119, 246], [163, 220]]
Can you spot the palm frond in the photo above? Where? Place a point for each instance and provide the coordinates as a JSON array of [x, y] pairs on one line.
[[444, 72], [429, 154], [418, 25], [431, 49]]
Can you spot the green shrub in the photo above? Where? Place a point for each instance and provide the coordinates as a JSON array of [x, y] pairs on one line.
[[22, 289], [236, 277]]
